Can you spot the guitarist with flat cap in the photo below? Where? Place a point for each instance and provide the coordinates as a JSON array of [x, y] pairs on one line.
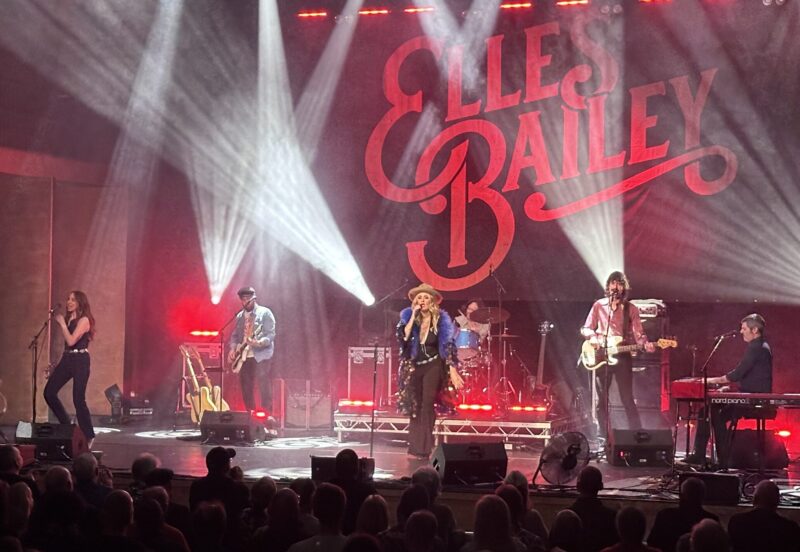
[[251, 347]]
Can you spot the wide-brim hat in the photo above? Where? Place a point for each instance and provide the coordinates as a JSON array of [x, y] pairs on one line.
[[425, 288]]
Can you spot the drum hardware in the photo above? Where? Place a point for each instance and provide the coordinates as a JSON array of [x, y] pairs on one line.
[[490, 315], [505, 336]]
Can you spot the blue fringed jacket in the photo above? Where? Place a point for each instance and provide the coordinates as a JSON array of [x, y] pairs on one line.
[[445, 331]]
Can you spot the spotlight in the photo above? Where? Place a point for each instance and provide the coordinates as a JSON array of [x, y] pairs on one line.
[[114, 397]]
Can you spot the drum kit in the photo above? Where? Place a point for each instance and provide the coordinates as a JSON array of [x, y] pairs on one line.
[[476, 358]]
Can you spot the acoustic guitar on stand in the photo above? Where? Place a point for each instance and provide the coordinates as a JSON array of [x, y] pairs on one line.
[[592, 358]]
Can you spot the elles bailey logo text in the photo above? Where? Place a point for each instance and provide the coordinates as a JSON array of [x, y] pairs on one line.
[[463, 123]]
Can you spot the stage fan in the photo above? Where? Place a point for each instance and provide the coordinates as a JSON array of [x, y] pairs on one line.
[[562, 459]]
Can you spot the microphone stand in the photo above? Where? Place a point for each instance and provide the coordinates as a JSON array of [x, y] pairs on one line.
[[503, 380], [222, 355], [34, 349], [706, 404]]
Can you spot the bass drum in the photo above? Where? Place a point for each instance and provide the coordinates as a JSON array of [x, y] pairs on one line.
[[468, 344]]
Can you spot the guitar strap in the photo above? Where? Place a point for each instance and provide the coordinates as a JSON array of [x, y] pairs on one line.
[[625, 322]]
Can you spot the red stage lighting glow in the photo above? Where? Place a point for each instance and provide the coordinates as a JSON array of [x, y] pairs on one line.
[[309, 14], [204, 333], [572, 3], [418, 10], [516, 5], [260, 414], [373, 11], [476, 407], [783, 433], [356, 403], [655, 1], [521, 408]]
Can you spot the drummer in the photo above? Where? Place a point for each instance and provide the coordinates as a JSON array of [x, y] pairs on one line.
[[465, 322]]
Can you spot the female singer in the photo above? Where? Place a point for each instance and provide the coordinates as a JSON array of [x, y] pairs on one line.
[[78, 329], [427, 361]]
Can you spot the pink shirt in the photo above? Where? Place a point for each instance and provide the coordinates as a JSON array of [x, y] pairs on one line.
[[598, 320]]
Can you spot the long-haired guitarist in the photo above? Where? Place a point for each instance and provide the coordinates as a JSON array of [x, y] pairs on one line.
[[251, 347], [609, 319]]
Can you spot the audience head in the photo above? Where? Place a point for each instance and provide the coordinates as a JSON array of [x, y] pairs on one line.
[[159, 494], [590, 481], [142, 465], [284, 510], [421, 529], [160, 477], [566, 531], [328, 503], [84, 467], [209, 522], [117, 512], [373, 517], [10, 544], [413, 499], [684, 543], [304, 487], [767, 496], [347, 464], [631, 525], [57, 479], [218, 460], [492, 523], [10, 459], [20, 500], [513, 500], [148, 517], [520, 482], [361, 542], [262, 492], [693, 492], [709, 536], [428, 477]]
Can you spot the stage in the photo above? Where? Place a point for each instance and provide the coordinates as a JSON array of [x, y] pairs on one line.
[[288, 456]]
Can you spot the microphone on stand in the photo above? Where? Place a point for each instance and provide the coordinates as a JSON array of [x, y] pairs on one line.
[[726, 335], [55, 308]]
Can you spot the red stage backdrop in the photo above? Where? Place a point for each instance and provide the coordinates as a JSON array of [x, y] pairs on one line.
[[470, 155]]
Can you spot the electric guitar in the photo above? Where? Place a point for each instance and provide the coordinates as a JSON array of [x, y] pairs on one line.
[[592, 358], [242, 350], [541, 392]]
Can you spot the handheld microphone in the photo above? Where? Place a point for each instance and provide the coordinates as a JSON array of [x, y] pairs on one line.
[[726, 335]]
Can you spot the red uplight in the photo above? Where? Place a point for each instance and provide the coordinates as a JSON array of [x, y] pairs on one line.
[[374, 11], [418, 10], [524, 408], [308, 14], [655, 1], [260, 414], [476, 407], [783, 433], [572, 3], [516, 5], [204, 333], [350, 402]]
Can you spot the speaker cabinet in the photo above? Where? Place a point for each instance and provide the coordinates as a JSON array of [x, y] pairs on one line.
[[300, 405], [323, 468], [721, 488], [745, 451], [53, 442], [470, 463], [641, 447], [222, 428]]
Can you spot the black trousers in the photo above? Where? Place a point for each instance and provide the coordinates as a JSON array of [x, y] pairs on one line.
[[721, 418], [425, 384], [255, 374], [75, 367], [622, 372]]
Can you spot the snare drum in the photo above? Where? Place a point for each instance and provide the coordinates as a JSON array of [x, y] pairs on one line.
[[467, 343]]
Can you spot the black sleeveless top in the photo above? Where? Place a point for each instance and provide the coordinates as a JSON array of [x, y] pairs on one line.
[[429, 349], [83, 342]]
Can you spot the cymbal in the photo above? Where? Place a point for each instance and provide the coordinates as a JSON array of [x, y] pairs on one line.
[[505, 336], [489, 315]]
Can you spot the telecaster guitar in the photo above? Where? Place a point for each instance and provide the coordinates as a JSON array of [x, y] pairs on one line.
[[592, 358]]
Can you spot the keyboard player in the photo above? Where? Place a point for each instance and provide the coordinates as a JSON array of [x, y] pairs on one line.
[[753, 374]]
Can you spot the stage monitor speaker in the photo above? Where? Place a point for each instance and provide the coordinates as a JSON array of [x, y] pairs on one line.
[[470, 463], [721, 488], [323, 468], [228, 427], [53, 442], [745, 451], [641, 447]]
